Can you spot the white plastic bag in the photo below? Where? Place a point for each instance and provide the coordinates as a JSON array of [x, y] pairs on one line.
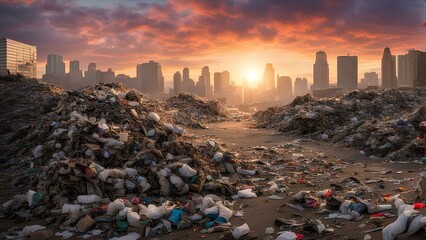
[[225, 212], [115, 207], [154, 117], [247, 193], [70, 208], [287, 235], [218, 157], [397, 227], [177, 181], [131, 172], [122, 214], [87, 199], [240, 231], [187, 171], [133, 219], [155, 212]]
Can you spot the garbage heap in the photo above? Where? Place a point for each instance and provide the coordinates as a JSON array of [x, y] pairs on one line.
[[106, 155], [377, 122], [195, 111], [24, 102]]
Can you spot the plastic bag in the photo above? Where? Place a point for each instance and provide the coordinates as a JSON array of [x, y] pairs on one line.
[[131, 172], [122, 214], [134, 219], [115, 207], [225, 212], [87, 199], [218, 157], [143, 183], [187, 171], [33, 197], [177, 181], [175, 216], [397, 227], [155, 212], [70, 208], [165, 186], [287, 235], [154, 117], [247, 193], [240, 231], [416, 224]]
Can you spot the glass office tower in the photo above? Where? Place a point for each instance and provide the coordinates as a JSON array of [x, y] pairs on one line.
[[17, 57]]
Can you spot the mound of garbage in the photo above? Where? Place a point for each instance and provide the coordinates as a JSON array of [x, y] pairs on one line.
[[109, 155], [24, 102], [382, 122], [195, 111]]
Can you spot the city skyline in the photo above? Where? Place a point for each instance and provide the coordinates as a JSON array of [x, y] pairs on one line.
[[256, 34]]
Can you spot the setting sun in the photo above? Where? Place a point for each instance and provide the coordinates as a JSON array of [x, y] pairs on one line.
[[252, 77]]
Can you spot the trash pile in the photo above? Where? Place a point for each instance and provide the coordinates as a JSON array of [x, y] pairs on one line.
[[195, 111], [375, 122], [23, 103], [108, 156]]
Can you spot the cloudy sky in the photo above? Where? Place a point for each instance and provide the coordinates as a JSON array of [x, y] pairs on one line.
[[236, 35]]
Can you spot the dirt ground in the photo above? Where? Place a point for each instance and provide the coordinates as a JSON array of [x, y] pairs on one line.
[[260, 213]]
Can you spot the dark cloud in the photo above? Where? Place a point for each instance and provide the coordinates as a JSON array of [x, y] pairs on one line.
[[146, 30]]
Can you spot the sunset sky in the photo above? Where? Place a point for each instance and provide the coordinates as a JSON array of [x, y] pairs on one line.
[[240, 35]]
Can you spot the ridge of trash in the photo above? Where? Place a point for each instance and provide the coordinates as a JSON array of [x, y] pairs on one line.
[[386, 123]]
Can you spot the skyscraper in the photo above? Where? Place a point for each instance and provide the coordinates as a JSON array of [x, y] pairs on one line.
[[321, 74], [301, 86], [347, 72], [269, 77], [388, 69], [218, 82], [17, 57], [284, 86], [226, 79], [55, 71], [205, 73], [150, 76], [75, 76], [55, 65], [188, 84], [371, 79], [407, 68], [420, 80], [90, 75], [177, 81], [185, 73]]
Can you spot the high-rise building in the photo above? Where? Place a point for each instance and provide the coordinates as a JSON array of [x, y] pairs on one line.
[[188, 84], [126, 80], [17, 57], [301, 86], [388, 69], [75, 76], [407, 68], [269, 77], [420, 80], [347, 72], [205, 73], [55, 71], [321, 74], [371, 79], [105, 77], [284, 86], [177, 82], [185, 74], [226, 79], [90, 75], [151, 77], [218, 82], [55, 65]]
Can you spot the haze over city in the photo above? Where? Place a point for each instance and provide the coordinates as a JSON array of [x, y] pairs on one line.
[[238, 36]]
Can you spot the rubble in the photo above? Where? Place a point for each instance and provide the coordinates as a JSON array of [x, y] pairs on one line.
[[195, 111], [383, 123]]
